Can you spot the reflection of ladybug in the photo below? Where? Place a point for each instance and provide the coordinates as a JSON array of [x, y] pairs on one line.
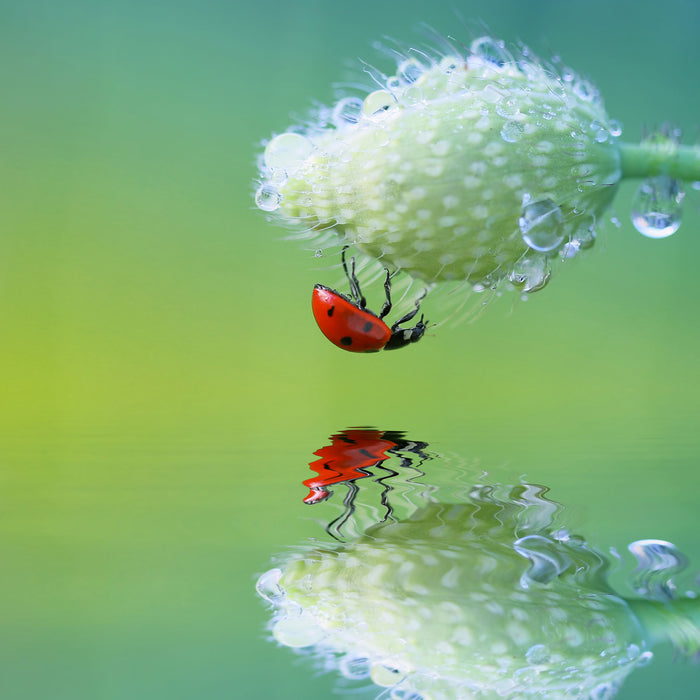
[[350, 325], [351, 453], [357, 453]]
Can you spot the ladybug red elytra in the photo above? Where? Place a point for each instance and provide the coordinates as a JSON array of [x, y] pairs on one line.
[[350, 325]]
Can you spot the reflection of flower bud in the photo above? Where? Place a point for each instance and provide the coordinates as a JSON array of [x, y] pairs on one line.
[[478, 600], [478, 167]]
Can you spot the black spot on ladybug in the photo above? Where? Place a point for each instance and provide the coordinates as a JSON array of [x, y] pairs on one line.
[[368, 327], [346, 340], [331, 310]]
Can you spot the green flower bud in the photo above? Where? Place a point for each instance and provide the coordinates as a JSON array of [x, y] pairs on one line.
[[477, 167]]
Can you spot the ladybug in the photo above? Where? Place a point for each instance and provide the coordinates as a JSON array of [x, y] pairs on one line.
[[350, 325]]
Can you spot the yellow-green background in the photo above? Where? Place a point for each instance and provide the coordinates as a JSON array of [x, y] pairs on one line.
[[162, 382]]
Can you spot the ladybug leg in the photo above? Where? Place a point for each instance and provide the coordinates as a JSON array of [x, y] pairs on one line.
[[410, 314], [400, 337], [354, 282], [387, 289]]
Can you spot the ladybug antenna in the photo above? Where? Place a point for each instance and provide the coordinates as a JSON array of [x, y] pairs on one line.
[[354, 282]]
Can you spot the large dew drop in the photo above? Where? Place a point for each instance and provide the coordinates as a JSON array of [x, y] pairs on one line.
[[656, 207], [530, 274], [267, 198], [541, 225], [287, 151]]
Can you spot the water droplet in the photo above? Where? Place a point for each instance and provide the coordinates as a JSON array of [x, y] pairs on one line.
[[347, 111], [585, 90], [656, 207], [537, 654], [633, 652], [449, 64], [490, 51], [585, 235], [615, 128], [696, 185], [657, 562], [570, 249], [512, 131], [267, 198], [268, 586], [393, 83], [378, 101], [410, 70], [530, 274], [287, 151], [602, 135], [412, 95], [547, 561], [540, 225], [645, 658]]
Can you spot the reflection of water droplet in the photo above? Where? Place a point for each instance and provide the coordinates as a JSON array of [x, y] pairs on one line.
[[537, 654], [546, 560], [354, 667], [540, 225], [530, 274], [385, 675], [378, 101], [287, 151], [512, 131], [347, 111], [604, 691], [268, 586], [656, 207], [298, 630], [657, 562], [267, 198], [490, 51], [507, 108]]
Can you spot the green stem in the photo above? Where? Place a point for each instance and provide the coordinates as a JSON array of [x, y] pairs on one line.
[[662, 157]]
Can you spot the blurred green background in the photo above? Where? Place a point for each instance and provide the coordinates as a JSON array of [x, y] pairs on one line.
[[163, 385]]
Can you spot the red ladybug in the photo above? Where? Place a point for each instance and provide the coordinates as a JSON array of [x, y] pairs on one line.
[[350, 325]]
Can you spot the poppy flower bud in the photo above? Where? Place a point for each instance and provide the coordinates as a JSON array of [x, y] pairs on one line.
[[473, 165]]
